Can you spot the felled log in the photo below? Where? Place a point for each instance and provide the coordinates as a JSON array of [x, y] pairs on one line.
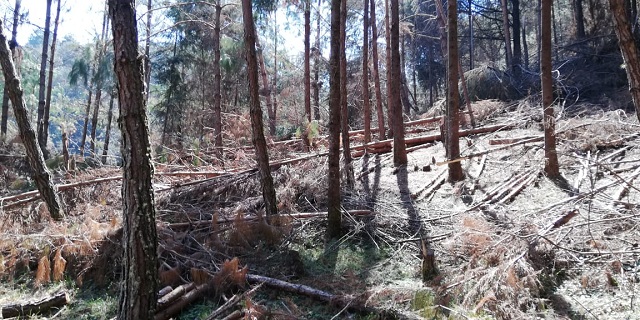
[[174, 295], [58, 300], [183, 301]]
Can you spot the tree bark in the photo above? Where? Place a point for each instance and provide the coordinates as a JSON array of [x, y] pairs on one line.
[[217, 96], [316, 67], [41, 174], [394, 86], [578, 18], [629, 50], [307, 64], [451, 124], [387, 47], [507, 35], [517, 50], [344, 108], [5, 96], [259, 142], [138, 297], [107, 135], [551, 166], [366, 98], [147, 52], [334, 216], [42, 85], [47, 106], [375, 72], [271, 113]]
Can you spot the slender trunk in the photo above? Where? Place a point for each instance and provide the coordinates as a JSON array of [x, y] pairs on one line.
[[387, 33], [138, 296], [525, 46], [307, 64], [538, 31], [47, 106], [41, 174], [551, 166], [555, 31], [452, 143], [316, 67], [94, 119], [404, 87], [366, 99], [86, 118], [470, 13], [42, 85], [344, 108], [266, 89], [217, 79], [5, 96], [507, 35], [375, 71], [147, 52], [394, 85], [629, 50], [578, 18], [517, 50], [259, 142], [65, 148], [107, 135], [334, 215], [274, 85]]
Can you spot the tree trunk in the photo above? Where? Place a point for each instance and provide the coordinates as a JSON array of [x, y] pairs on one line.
[[259, 142], [334, 215], [107, 135], [517, 50], [551, 166], [42, 85], [86, 118], [451, 127], [316, 67], [470, 16], [99, 79], [394, 85], [138, 295], [41, 174], [525, 47], [375, 72], [147, 52], [5, 96], [538, 31], [387, 47], [217, 79], [578, 18], [47, 106], [629, 50], [344, 108], [266, 89], [366, 98], [307, 64], [94, 118], [507, 35]]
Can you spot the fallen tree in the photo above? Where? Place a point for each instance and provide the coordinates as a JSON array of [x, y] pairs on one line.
[[58, 300]]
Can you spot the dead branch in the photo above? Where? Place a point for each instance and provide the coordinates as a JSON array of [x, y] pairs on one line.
[[565, 218], [58, 300], [514, 140], [624, 189]]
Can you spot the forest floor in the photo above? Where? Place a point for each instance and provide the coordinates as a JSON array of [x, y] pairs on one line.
[[508, 242]]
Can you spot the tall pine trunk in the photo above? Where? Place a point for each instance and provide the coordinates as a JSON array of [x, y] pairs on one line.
[[507, 35], [375, 72], [217, 79], [41, 174], [147, 51], [334, 216], [316, 68], [42, 85], [344, 107], [551, 166], [394, 84], [259, 142], [266, 89], [451, 127], [5, 96], [138, 296], [366, 98], [47, 106], [517, 49], [307, 67], [629, 49]]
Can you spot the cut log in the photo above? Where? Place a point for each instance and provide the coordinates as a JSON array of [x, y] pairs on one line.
[[174, 295], [183, 301], [58, 300]]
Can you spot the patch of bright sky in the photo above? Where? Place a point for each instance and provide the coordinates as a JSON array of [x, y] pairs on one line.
[[80, 19]]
